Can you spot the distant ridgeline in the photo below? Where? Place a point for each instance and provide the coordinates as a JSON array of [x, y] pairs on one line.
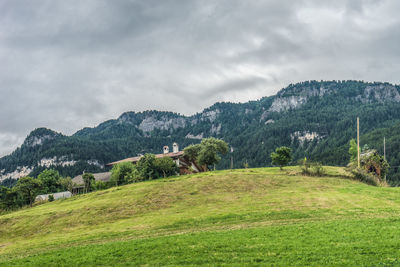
[[315, 119]]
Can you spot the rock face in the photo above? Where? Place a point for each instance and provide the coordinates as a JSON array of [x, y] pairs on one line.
[[381, 93], [151, 123], [40, 136], [295, 96], [286, 103], [210, 115], [304, 136], [56, 162], [191, 136], [18, 173], [215, 129], [127, 118]]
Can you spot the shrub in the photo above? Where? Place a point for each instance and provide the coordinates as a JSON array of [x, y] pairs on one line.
[[123, 173], [312, 168], [100, 185], [373, 168], [51, 198], [365, 177], [305, 166], [317, 169], [246, 165]]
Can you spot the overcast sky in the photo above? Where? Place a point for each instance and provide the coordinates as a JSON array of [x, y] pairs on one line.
[[69, 64]]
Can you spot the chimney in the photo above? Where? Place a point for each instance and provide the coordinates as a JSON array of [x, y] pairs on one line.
[[166, 149], [175, 147]]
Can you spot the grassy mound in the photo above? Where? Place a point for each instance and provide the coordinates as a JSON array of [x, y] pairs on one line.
[[240, 217]]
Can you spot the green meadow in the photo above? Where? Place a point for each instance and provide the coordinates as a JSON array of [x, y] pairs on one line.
[[234, 217]]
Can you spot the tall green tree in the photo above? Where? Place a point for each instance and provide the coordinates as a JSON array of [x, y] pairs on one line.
[[208, 152], [166, 166], [29, 188], [282, 156], [353, 150], [124, 172], [9, 198], [147, 167], [88, 180], [192, 152], [50, 181], [66, 184]]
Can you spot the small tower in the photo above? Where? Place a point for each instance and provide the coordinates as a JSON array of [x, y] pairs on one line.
[[175, 147], [166, 149]]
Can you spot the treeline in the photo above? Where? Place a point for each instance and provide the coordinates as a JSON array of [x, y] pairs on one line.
[[27, 188], [49, 181]]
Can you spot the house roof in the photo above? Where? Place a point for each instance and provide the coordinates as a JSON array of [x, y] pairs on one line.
[[136, 159], [102, 176]]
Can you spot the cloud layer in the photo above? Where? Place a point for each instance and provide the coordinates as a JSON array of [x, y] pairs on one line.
[[70, 64]]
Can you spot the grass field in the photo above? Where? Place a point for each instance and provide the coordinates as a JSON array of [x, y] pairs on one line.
[[243, 217]]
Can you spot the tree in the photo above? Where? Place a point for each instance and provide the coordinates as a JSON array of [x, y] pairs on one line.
[[123, 173], [147, 167], [353, 150], [9, 198], [192, 152], [28, 187], [207, 152], [88, 180], [166, 166], [374, 163], [100, 185], [50, 180], [282, 156], [66, 183]]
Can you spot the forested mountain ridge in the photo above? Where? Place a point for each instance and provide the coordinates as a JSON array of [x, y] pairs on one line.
[[316, 119]]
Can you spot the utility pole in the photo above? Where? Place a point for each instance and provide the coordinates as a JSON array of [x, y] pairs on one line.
[[358, 141], [384, 148], [231, 158], [384, 151]]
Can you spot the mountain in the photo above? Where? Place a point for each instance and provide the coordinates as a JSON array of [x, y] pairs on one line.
[[316, 119]]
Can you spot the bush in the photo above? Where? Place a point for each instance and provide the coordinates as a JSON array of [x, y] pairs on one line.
[[312, 168], [365, 177], [100, 185], [51, 198], [317, 169], [373, 168], [123, 173]]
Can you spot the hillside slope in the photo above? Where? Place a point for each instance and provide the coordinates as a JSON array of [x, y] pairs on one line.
[[243, 217], [315, 119]]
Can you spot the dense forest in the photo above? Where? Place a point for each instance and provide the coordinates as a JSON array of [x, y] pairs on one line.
[[315, 119]]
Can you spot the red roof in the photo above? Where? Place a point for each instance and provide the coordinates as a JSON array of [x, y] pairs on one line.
[[136, 159]]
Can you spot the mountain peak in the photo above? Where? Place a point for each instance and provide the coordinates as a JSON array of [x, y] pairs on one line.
[[39, 136]]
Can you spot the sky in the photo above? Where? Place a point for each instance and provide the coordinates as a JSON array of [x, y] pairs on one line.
[[66, 65]]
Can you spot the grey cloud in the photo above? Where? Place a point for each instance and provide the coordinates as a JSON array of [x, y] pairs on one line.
[[70, 64]]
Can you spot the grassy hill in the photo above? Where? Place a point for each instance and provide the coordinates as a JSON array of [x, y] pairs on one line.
[[240, 217]]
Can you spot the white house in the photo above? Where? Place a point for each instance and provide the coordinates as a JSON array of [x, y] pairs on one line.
[[185, 166]]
